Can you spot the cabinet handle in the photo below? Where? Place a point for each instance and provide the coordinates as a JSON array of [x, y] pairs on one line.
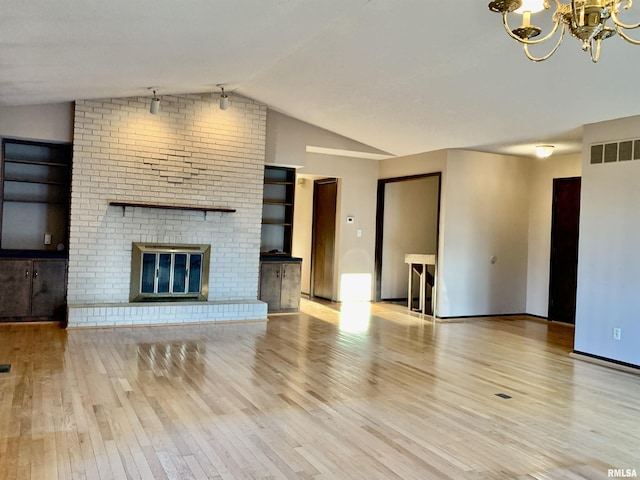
[[277, 273], [26, 274], [284, 273], [35, 274]]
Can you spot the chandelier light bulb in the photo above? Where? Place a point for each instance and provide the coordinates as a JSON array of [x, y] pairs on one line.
[[532, 6]]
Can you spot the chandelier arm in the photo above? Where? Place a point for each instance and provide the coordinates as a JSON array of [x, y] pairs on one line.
[[619, 24], [542, 59], [621, 32], [527, 41]]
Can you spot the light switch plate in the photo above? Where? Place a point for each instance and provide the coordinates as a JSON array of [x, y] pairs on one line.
[[47, 239]]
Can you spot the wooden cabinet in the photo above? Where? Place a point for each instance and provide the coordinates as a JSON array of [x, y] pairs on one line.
[[277, 210], [32, 288], [15, 293], [280, 284], [35, 186]]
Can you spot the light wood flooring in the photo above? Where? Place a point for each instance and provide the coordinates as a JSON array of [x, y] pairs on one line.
[[350, 392]]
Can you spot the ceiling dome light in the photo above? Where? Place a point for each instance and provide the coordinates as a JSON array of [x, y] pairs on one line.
[[544, 151]]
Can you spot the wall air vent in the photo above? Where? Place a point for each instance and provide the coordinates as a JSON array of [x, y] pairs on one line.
[[611, 152]]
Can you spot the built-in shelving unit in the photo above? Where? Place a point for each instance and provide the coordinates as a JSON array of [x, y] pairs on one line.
[[279, 272], [277, 210], [35, 188]]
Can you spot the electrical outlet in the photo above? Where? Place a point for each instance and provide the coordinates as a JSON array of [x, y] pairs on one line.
[[617, 333]]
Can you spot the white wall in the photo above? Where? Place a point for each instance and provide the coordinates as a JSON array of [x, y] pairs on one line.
[[608, 259], [302, 231], [484, 212], [288, 138], [421, 163], [487, 203], [410, 226], [52, 122], [543, 171]]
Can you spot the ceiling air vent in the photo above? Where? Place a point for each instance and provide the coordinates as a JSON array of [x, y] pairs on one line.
[[615, 151]]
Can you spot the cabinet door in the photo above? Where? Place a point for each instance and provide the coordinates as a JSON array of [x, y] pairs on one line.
[[290, 294], [15, 288], [49, 288], [270, 284]]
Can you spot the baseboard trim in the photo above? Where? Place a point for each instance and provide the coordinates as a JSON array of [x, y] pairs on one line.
[[606, 362], [488, 315], [531, 317]]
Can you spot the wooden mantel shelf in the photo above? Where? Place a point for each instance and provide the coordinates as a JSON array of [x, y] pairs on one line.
[[190, 208]]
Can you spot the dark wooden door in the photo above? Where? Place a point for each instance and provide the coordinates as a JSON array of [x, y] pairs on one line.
[[15, 288], [563, 275], [325, 195], [49, 288]]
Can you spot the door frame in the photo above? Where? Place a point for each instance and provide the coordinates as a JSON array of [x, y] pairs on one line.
[[382, 183]]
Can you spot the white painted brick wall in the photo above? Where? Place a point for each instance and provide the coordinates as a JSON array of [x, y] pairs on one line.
[[192, 153]]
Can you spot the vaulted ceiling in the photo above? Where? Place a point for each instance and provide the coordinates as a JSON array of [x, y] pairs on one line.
[[405, 76]]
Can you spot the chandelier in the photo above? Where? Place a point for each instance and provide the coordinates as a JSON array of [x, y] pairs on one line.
[[587, 20]]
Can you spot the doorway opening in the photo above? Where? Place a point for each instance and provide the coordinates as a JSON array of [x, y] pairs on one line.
[[563, 271], [407, 222]]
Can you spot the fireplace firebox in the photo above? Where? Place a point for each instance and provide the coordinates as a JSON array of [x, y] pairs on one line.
[[169, 273]]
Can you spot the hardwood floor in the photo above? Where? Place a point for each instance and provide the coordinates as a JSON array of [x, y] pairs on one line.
[[368, 392]]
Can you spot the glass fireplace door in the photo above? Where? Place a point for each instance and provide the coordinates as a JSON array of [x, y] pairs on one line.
[[171, 273]]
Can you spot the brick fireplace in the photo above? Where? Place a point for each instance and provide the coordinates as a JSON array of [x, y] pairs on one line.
[[190, 154]]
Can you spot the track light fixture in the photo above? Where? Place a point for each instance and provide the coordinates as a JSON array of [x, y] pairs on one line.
[[155, 102], [224, 99]]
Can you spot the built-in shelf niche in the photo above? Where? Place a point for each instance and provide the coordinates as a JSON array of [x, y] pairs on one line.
[[277, 210], [35, 186]]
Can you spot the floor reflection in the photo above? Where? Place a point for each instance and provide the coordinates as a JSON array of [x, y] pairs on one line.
[[355, 317], [333, 352], [174, 359]]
